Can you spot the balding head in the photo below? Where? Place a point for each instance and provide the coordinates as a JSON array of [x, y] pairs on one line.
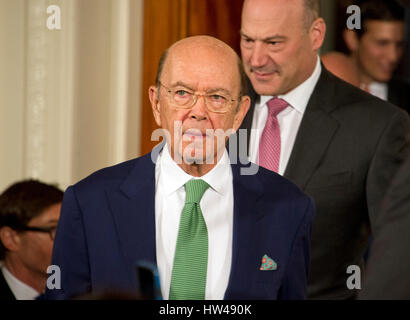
[[198, 45], [310, 8], [202, 42]]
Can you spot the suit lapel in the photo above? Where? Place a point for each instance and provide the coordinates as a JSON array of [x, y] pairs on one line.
[[133, 209], [316, 131], [245, 199]]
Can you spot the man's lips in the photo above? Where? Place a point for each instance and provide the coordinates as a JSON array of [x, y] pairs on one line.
[[262, 75], [194, 134]]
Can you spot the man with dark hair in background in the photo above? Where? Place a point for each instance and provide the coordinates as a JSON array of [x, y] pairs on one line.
[[377, 48], [338, 143], [29, 213]]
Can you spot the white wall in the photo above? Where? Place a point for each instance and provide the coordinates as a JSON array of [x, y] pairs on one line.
[[67, 96], [11, 90]]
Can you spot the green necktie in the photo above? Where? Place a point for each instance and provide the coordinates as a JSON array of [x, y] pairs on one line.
[[188, 279]]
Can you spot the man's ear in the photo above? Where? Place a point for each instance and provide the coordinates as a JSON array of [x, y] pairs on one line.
[[351, 40], [317, 33], [241, 112], [10, 238], [155, 104]]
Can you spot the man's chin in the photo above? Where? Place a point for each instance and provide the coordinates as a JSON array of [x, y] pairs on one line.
[[383, 78], [197, 156], [381, 74], [264, 88], [194, 161]]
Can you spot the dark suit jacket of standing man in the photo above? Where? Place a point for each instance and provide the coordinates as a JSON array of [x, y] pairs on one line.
[[387, 270], [348, 147], [107, 224]]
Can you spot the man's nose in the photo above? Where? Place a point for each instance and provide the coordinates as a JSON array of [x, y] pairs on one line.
[[199, 110], [259, 55]]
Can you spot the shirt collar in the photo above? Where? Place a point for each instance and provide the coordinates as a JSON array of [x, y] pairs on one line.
[[176, 178], [296, 98], [20, 290], [379, 89], [376, 84]]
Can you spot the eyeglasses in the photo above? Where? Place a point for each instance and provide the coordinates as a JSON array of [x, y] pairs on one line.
[[185, 99], [50, 230]]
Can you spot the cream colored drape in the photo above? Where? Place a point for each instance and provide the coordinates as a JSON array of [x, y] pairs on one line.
[[70, 98]]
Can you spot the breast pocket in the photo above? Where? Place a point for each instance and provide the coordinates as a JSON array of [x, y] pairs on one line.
[[268, 276]]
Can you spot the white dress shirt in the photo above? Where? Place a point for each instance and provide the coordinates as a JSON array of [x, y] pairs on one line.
[[217, 209], [20, 290], [379, 89], [289, 119]]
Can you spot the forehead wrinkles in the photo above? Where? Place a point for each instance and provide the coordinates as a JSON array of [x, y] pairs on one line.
[[206, 64], [266, 18], [197, 52]]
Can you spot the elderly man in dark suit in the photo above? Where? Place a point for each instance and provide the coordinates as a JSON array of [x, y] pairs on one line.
[[338, 143], [212, 231]]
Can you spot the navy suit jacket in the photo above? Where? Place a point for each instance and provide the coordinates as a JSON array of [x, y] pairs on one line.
[[107, 224]]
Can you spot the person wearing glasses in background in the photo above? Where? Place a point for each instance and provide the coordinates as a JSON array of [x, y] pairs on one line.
[[29, 213]]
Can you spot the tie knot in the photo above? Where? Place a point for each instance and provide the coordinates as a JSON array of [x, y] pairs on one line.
[[276, 105], [195, 189]]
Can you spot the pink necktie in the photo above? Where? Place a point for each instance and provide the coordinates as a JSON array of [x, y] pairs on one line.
[[269, 145]]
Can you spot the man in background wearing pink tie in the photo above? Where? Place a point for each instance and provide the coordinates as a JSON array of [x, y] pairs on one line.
[[337, 143]]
